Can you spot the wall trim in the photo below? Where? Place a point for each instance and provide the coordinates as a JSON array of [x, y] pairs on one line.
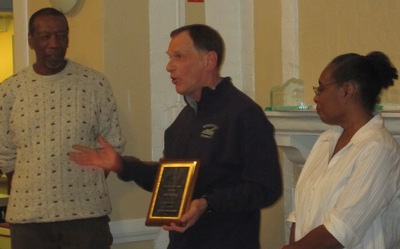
[[21, 48], [290, 39], [133, 230]]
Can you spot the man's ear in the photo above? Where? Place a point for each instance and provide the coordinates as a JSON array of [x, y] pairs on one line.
[[30, 41], [212, 59]]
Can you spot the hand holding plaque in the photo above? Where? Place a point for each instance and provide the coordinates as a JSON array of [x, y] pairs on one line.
[[172, 192]]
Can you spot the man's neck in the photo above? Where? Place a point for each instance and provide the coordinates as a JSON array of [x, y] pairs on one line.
[[43, 70]]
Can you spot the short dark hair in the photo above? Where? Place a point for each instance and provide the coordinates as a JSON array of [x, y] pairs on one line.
[[204, 38], [372, 73], [44, 12]]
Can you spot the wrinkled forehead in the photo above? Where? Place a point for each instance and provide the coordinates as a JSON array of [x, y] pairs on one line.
[[50, 23], [180, 42]]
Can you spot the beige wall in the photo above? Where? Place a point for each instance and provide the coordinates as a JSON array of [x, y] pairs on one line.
[[127, 66], [267, 47], [6, 48], [330, 28], [195, 13], [326, 29]]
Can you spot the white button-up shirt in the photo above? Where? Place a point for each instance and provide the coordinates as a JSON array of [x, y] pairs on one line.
[[356, 193]]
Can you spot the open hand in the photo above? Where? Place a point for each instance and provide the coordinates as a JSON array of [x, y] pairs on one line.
[[106, 157]]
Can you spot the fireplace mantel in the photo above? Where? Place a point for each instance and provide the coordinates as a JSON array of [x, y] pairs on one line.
[[297, 131], [308, 122]]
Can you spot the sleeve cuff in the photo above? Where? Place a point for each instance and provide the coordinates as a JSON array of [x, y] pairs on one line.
[[341, 231]]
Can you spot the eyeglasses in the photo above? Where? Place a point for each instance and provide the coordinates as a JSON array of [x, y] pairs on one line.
[[320, 89]]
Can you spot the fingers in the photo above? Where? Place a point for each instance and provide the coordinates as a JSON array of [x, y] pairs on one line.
[[81, 147], [78, 158], [87, 149], [102, 141], [196, 209], [105, 157], [186, 217], [174, 227]]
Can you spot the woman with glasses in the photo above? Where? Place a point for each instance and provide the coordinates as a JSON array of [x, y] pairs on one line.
[[348, 194]]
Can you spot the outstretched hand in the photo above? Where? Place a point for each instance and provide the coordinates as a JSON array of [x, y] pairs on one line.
[[106, 157], [196, 209]]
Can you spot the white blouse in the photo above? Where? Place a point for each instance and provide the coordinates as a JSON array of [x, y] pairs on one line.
[[356, 193]]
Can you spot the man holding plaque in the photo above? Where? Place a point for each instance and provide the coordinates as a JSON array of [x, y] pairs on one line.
[[226, 132]]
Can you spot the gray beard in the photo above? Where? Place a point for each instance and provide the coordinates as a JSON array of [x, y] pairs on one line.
[[54, 64]]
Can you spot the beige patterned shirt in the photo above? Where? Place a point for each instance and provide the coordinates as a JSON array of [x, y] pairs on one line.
[[41, 117]]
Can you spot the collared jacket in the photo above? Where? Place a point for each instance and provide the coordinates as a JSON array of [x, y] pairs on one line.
[[239, 168]]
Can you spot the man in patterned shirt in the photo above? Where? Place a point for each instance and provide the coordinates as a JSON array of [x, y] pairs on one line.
[[44, 110]]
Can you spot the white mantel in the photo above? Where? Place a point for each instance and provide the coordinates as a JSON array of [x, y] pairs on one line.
[[308, 122], [298, 130], [296, 133]]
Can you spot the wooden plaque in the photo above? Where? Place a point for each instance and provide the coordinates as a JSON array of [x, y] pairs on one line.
[[172, 192]]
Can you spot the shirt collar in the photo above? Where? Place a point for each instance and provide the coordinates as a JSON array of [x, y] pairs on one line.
[[208, 94], [375, 122]]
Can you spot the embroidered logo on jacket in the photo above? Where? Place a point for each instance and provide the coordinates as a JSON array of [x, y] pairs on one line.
[[209, 130]]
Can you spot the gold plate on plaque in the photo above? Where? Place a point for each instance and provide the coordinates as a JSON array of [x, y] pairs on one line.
[[172, 192]]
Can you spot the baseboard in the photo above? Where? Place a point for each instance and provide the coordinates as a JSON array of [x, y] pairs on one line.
[[126, 231]]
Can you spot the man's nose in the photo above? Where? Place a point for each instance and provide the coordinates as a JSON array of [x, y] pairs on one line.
[[170, 67], [53, 41]]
